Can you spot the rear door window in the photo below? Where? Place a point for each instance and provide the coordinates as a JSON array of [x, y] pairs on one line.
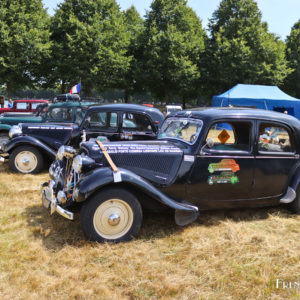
[[136, 122], [274, 138]]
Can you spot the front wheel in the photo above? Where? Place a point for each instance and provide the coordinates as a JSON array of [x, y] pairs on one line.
[[112, 215], [26, 160]]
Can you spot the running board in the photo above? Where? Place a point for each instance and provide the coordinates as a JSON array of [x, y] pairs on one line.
[[289, 196]]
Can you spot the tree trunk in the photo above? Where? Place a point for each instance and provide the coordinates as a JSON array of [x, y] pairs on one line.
[[62, 87], [8, 90], [89, 91], [166, 94], [126, 96], [183, 103]]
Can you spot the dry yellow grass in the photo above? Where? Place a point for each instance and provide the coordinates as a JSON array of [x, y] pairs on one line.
[[223, 255]]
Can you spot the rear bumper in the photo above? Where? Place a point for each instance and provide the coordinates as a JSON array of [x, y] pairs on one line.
[[50, 202]]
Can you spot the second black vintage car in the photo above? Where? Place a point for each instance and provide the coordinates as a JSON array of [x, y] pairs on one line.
[[32, 144], [203, 159]]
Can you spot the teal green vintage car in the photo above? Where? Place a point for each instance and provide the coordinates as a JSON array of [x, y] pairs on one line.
[[61, 112]]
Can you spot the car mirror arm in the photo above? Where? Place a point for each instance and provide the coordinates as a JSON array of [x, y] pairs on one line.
[[210, 143]]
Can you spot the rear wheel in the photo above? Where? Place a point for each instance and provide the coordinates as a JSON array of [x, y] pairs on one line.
[[26, 160], [112, 215]]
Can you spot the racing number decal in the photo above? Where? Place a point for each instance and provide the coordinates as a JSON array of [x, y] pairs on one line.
[[228, 168]]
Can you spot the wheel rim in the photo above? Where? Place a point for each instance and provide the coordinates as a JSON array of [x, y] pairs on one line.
[[26, 161], [3, 140], [113, 219]]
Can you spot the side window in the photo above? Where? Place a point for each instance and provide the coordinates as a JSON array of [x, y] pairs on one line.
[[274, 138], [59, 113], [79, 115], [22, 105], [231, 136], [136, 122], [34, 105], [103, 120]]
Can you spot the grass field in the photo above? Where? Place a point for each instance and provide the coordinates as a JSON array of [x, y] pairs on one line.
[[223, 255]]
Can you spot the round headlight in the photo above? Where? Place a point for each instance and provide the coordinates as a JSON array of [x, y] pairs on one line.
[[60, 153], [15, 131], [77, 163]]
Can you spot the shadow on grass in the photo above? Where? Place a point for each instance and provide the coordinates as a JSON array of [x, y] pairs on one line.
[[57, 232]]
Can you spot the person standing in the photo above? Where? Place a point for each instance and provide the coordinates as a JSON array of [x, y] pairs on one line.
[[10, 103]]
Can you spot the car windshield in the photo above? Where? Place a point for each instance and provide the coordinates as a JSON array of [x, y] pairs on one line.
[[183, 129]]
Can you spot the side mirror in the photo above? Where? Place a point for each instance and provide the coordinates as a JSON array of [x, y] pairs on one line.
[[86, 123], [209, 143]]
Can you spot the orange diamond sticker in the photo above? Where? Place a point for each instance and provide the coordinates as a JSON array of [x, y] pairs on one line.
[[223, 136]]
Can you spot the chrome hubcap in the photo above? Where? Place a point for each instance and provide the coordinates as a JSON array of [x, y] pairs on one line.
[[113, 219], [25, 161]]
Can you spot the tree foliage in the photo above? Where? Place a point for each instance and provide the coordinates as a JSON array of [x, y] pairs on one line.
[[173, 45], [89, 43], [241, 50], [24, 42], [135, 27], [292, 83]]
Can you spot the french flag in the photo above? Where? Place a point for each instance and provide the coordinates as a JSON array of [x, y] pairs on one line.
[[76, 89]]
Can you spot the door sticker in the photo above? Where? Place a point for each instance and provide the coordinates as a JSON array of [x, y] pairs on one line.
[[224, 165], [224, 177], [228, 168], [223, 136]]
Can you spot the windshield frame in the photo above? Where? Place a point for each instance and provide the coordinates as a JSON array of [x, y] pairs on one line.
[[199, 122]]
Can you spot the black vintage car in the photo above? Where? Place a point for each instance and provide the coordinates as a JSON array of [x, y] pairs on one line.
[[32, 144], [203, 159]]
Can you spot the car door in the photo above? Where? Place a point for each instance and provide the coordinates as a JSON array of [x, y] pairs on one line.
[[103, 123], [224, 172], [275, 158], [136, 126]]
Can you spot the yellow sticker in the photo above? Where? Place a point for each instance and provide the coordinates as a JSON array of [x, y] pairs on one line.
[[223, 136]]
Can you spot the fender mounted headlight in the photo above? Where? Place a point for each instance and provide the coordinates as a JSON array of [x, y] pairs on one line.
[[65, 151], [77, 164], [82, 163], [14, 131]]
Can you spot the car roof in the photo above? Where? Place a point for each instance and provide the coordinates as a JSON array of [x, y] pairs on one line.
[[236, 112], [32, 100], [71, 104], [153, 112]]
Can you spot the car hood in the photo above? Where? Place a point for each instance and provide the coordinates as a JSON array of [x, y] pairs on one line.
[[51, 134], [157, 161]]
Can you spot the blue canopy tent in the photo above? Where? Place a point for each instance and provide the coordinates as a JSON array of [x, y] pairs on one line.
[[259, 96]]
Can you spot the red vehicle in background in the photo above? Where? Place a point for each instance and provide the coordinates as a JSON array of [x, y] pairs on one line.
[[23, 106]]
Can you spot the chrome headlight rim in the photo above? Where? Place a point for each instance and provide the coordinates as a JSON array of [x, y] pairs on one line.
[[77, 164], [60, 153], [15, 130]]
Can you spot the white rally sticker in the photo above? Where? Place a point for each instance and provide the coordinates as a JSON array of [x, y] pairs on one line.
[[189, 158], [117, 176]]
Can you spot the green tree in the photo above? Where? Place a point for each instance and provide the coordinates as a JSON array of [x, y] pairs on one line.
[[24, 42], [135, 27], [292, 83], [89, 43], [173, 46], [240, 48]]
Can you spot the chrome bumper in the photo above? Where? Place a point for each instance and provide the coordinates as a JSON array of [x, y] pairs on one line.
[[50, 202]]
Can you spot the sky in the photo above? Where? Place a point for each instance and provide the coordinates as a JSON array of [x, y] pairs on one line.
[[280, 15]]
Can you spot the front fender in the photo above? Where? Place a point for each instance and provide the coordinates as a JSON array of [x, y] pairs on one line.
[[101, 177], [28, 140], [5, 127]]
